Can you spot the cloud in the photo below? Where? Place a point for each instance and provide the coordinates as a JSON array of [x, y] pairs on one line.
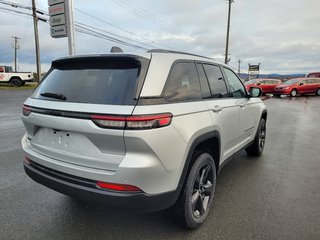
[[280, 34]]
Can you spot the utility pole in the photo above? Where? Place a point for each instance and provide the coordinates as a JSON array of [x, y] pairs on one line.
[[228, 29], [16, 47], [36, 39], [239, 62]]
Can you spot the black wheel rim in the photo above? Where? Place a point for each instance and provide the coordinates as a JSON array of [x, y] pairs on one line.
[[262, 136], [202, 191]]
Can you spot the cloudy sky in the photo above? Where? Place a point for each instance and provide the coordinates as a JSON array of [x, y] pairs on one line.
[[282, 35]]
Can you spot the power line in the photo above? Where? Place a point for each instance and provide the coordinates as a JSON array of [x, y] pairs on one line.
[[122, 29], [91, 32], [15, 11], [151, 16], [87, 29], [79, 23], [143, 13]]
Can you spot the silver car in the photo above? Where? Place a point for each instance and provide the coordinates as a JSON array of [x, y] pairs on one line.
[[143, 132]]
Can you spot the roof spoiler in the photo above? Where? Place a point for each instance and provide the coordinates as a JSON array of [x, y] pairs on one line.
[[115, 49]]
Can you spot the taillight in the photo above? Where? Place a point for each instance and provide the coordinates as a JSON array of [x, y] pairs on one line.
[[118, 187], [132, 122], [26, 110], [115, 122]]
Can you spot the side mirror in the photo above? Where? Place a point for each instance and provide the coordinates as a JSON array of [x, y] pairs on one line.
[[300, 84], [255, 92], [258, 84]]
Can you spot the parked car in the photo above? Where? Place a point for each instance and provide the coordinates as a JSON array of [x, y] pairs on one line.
[[314, 75], [16, 79], [297, 86], [267, 85], [144, 132]]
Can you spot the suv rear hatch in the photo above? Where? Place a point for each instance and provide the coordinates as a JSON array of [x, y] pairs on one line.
[[60, 114]]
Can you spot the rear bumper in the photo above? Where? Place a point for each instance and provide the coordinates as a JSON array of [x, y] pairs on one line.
[[86, 189], [28, 80]]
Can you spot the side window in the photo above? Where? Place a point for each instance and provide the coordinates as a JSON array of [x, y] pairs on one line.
[[311, 81], [237, 90], [183, 83], [262, 82], [216, 81], [203, 82]]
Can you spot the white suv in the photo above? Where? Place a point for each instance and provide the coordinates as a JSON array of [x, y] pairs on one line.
[[143, 132]]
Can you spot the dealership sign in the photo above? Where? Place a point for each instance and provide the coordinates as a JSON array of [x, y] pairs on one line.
[[57, 18]]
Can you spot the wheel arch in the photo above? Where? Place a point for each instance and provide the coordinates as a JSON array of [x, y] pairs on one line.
[[264, 115], [208, 141], [15, 77]]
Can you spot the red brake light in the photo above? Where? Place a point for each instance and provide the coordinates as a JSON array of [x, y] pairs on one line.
[[115, 122], [26, 110], [132, 122], [118, 187], [149, 121]]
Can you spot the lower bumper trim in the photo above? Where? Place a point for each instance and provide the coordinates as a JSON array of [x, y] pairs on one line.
[[136, 202]]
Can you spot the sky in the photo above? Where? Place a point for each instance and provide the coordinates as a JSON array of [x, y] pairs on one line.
[[282, 35]]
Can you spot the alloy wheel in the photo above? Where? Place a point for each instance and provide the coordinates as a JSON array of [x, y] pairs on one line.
[[262, 136], [202, 191]]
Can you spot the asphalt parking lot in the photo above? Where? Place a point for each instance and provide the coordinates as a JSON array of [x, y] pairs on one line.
[[276, 196]]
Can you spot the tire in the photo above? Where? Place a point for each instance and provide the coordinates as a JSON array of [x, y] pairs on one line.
[[193, 206], [16, 82], [294, 93], [318, 92], [257, 146]]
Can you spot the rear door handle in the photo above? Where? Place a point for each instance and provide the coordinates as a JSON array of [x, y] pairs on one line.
[[217, 108]]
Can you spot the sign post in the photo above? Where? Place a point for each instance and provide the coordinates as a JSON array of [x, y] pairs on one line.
[[61, 21]]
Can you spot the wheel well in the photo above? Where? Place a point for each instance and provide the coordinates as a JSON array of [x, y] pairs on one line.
[[15, 77], [264, 116], [212, 146]]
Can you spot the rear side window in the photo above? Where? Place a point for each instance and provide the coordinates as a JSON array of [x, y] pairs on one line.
[[183, 83], [99, 81], [237, 90], [216, 81], [203, 82]]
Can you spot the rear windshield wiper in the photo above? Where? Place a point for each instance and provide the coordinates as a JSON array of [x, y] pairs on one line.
[[54, 95]]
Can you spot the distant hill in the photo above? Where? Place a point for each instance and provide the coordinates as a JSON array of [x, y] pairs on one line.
[[274, 75]]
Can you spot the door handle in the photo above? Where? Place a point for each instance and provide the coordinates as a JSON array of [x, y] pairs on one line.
[[217, 108], [242, 105]]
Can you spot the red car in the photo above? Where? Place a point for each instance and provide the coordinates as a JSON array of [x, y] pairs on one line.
[[266, 85], [297, 86]]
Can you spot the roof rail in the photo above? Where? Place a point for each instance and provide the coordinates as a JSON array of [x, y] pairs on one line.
[[169, 51]]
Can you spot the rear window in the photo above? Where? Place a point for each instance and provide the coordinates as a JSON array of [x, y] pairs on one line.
[[112, 80]]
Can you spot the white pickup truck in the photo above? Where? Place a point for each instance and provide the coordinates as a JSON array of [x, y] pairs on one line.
[[16, 79]]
